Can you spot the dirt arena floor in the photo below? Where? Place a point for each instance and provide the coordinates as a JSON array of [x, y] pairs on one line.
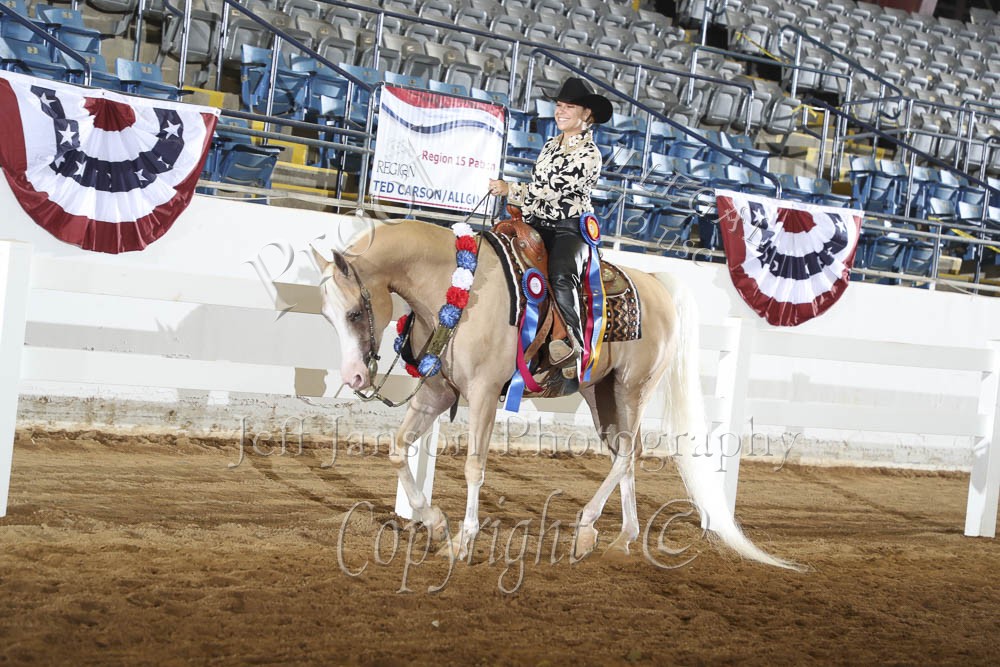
[[132, 550]]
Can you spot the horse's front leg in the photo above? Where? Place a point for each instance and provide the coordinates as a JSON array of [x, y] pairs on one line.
[[433, 398], [482, 412]]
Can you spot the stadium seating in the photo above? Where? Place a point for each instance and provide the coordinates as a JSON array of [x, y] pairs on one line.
[[464, 47], [235, 160]]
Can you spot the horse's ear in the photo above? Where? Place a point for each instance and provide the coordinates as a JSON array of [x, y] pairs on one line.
[[321, 261], [341, 263]]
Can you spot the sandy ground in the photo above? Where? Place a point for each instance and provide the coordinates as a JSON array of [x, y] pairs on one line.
[[132, 550]]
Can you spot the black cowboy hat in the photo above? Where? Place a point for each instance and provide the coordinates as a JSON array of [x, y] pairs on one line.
[[578, 91]]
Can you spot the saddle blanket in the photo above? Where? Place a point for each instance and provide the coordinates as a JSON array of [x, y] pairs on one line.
[[623, 310]]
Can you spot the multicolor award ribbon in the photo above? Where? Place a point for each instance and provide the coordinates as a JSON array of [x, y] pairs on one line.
[[595, 322], [533, 286]]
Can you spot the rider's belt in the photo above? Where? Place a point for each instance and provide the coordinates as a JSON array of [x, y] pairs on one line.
[[566, 223]]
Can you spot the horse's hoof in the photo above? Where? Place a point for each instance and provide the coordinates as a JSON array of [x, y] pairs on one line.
[[586, 540], [446, 552], [617, 550], [437, 524], [454, 549]]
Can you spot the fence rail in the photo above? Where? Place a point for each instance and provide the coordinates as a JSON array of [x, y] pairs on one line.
[[728, 347]]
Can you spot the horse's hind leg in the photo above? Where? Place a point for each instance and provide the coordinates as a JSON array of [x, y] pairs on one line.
[[433, 398], [630, 512], [600, 398], [617, 412]]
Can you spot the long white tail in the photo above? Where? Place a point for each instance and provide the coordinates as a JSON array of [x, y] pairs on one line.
[[684, 416]]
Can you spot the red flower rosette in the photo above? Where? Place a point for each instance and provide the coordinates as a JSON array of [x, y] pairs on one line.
[[458, 297], [412, 370], [401, 324], [466, 243]]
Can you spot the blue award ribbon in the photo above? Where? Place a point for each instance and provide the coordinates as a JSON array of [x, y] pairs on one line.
[[533, 286]]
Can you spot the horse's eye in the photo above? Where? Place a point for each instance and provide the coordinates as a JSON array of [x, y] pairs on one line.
[[354, 316]]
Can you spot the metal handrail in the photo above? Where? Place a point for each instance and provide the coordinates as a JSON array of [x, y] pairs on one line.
[[734, 55], [51, 39], [297, 44], [674, 124], [185, 16], [855, 65], [352, 81], [989, 189], [368, 9], [677, 126], [691, 76], [517, 44]]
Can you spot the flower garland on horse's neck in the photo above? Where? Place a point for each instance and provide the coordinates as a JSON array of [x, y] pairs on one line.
[[456, 299]]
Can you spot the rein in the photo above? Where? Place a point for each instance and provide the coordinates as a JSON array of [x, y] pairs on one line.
[[372, 356], [435, 345]]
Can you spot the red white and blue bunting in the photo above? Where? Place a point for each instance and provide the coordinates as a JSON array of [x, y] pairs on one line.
[[97, 169], [789, 261]]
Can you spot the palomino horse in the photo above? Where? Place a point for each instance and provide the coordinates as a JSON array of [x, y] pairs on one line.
[[416, 261]]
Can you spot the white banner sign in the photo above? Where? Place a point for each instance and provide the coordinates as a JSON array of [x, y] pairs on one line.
[[435, 150]]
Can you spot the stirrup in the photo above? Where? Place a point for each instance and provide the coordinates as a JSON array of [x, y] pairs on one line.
[[564, 355]]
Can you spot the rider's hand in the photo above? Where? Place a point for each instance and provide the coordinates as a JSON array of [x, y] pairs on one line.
[[498, 188]]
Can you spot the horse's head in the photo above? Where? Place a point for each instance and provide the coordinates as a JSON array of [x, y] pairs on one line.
[[359, 311]]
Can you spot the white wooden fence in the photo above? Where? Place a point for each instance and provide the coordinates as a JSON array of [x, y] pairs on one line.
[[733, 344]]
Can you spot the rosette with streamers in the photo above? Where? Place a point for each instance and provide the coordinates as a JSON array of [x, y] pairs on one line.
[[533, 286], [593, 333]]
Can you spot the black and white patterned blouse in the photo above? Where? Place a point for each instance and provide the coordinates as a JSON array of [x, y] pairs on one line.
[[564, 174]]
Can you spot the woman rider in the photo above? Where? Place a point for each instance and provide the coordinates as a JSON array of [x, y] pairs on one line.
[[565, 172]]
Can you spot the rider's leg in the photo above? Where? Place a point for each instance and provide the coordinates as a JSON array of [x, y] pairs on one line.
[[567, 254]]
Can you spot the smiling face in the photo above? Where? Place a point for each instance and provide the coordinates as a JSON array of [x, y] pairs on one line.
[[572, 118]]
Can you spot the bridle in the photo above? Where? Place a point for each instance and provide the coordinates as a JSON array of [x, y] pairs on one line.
[[437, 342], [372, 357]]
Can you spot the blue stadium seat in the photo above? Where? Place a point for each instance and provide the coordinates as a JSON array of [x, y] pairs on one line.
[[948, 186], [455, 89], [661, 135], [744, 146], [290, 87], [30, 58], [605, 198], [68, 27], [526, 145], [822, 193], [405, 80], [671, 231], [880, 250], [790, 188], [625, 161], [234, 159], [918, 257], [924, 182], [323, 83], [687, 145], [873, 189], [99, 75], [631, 128], [12, 29], [492, 96], [545, 118], [145, 79], [661, 165]]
